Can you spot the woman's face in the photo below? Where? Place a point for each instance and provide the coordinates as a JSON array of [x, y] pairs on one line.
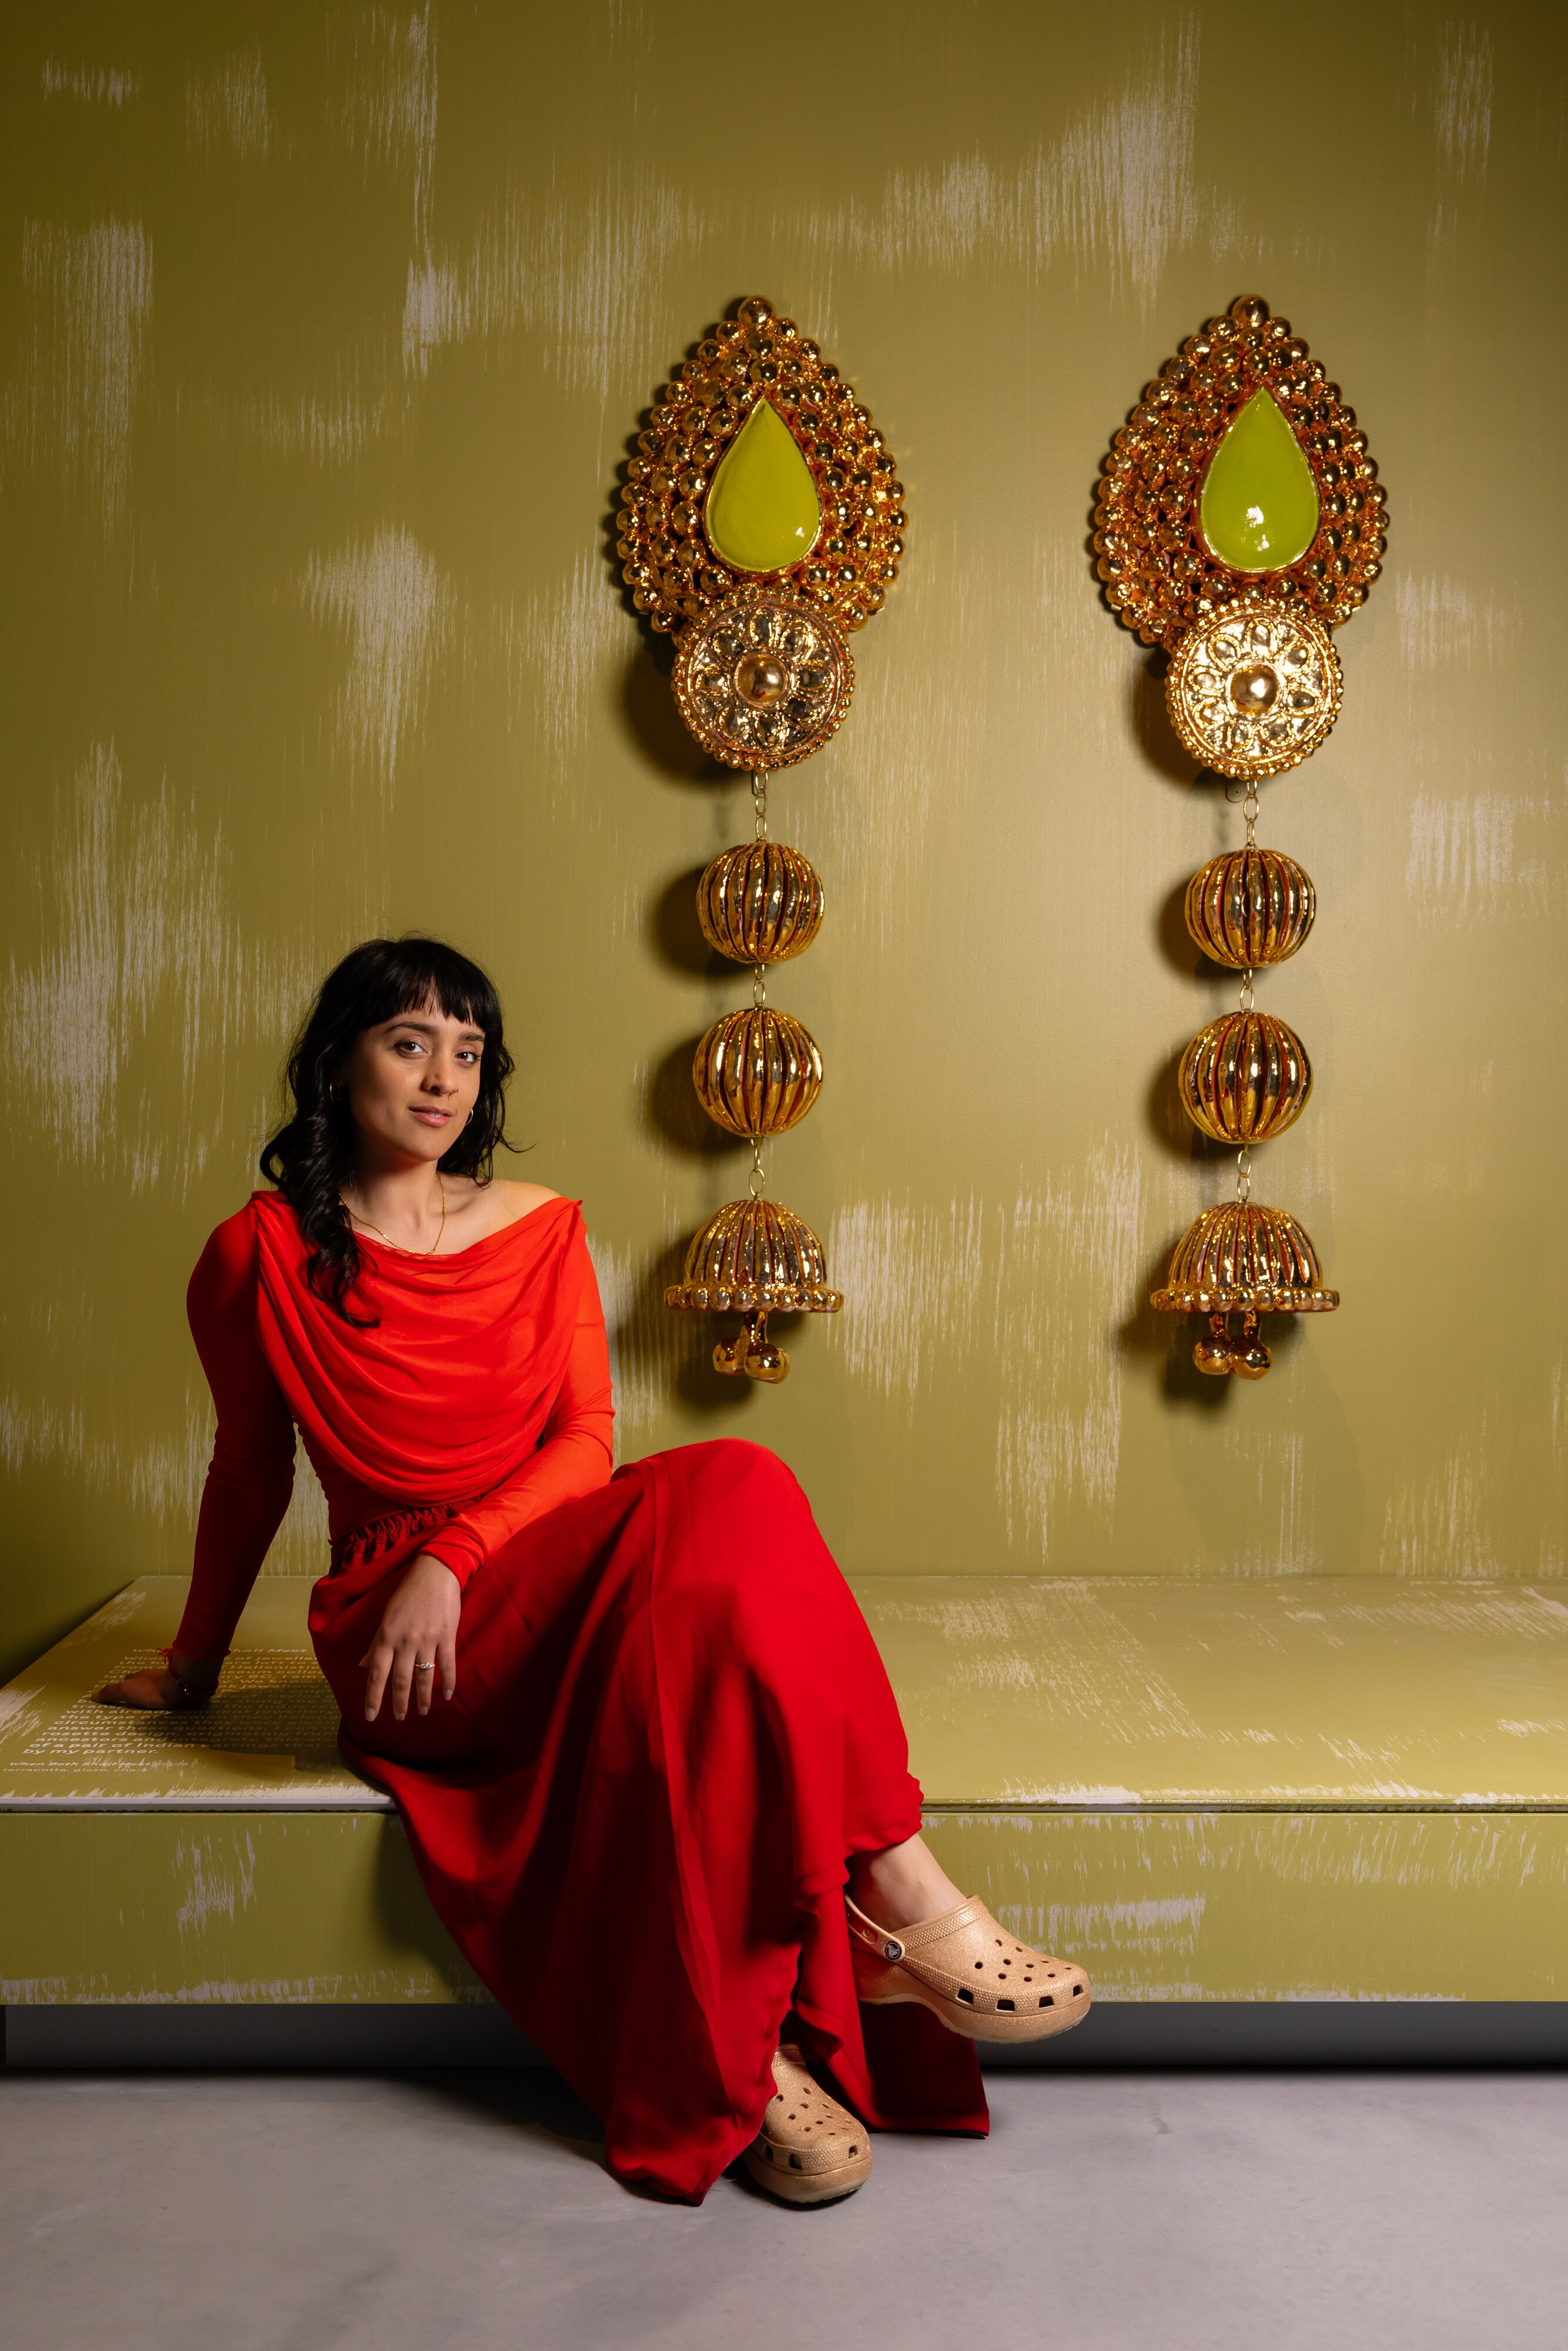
[[412, 1083]]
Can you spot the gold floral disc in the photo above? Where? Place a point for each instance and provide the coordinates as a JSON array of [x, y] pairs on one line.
[[1254, 689], [764, 681]]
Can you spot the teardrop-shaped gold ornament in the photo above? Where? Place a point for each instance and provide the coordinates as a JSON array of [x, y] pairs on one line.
[[1161, 574], [675, 566], [759, 903], [763, 512]]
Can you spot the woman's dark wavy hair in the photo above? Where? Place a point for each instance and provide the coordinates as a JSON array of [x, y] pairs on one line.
[[312, 1155]]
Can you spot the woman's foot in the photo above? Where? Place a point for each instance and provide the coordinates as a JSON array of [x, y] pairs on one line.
[[903, 1884], [183, 1682], [809, 2150], [969, 1971]]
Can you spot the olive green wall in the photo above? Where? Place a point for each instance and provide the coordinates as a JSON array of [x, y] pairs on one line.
[[322, 334]]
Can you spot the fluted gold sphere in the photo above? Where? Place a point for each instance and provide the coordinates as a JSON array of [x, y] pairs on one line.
[[752, 1254], [1244, 1077], [758, 1071], [1251, 907], [1243, 1257], [761, 902]]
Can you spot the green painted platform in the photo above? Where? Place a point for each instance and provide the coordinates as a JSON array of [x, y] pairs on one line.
[[1239, 1791]]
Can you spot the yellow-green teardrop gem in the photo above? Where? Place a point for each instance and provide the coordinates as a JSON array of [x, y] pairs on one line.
[[763, 513], [1259, 503]]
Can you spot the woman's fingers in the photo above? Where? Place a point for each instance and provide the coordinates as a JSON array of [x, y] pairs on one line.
[[446, 1664], [378, 1657], [402, 1679]]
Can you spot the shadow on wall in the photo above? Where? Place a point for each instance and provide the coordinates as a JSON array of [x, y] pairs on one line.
[[675, 1115]]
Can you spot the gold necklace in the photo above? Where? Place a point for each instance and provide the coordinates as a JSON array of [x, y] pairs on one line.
[[401, 1246]]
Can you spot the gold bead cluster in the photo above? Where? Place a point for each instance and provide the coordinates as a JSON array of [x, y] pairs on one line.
[[673, 573], [1158, 571]]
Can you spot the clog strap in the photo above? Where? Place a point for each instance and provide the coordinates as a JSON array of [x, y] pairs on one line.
[[891, 1943]]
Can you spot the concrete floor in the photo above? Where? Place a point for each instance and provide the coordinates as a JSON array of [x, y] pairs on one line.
[[1186, 2211]]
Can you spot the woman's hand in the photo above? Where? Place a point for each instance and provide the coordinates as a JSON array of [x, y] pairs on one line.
[[420, 1628], [165, 1689]]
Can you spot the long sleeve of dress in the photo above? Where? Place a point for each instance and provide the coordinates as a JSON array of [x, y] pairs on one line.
[[575, 1454], [251, 1475]]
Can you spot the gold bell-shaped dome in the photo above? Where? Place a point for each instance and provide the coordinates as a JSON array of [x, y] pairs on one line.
[[753, 1258], [1248, 1260]]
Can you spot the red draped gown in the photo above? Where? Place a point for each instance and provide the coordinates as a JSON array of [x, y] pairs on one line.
[[670, 1726]]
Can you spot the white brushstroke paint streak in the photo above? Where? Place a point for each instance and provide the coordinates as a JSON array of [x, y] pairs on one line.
[[647, 1343], [1440, 1524], [927, 1259], [210, 1891], [95, 85], [91, 292], [390, 112], [589, 280], [557, 651], [1064, 1279], [399, 613], [136, 901], [1445, 625], [1117, 194], [1462, 98], [1466, 862], [226, 108], [326, 428]]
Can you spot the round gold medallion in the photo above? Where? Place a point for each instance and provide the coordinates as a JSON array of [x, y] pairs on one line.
[[759, 903], [765, 682], [1244, 1078], [758, 1071], [1251, 907], [1254, 689]]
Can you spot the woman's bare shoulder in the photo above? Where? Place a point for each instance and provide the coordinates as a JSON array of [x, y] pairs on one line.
[[510, 1203]]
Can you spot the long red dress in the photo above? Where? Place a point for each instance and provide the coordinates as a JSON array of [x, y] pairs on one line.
[[671, 1725]]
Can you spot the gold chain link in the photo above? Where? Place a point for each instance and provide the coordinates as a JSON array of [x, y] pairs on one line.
[[1244, 1174], [756, 1182]]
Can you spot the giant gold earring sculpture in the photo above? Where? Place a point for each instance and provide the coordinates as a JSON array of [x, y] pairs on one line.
[[760, 523], [1239, 519]]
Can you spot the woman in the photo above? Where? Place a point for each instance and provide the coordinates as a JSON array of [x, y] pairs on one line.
[[636, 1725]]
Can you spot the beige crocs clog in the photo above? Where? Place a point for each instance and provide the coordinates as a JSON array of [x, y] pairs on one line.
[[809, 2150], [965, 1968]]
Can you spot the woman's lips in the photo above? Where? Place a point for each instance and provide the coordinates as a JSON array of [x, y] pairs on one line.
[[434, 1117]]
